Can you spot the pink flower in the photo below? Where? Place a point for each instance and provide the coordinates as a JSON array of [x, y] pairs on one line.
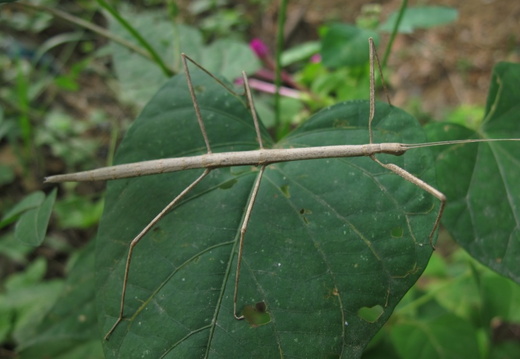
[[259, 47]]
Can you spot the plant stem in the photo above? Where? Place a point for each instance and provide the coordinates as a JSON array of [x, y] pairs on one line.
[[278, 60], [92, 27], [151, 51], [404, 4]]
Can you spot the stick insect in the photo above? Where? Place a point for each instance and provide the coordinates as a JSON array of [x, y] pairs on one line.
[[261, 158]]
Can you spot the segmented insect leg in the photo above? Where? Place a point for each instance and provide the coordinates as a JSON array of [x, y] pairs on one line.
[[136, 240]]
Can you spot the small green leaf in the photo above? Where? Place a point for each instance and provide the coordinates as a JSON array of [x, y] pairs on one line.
[[421, 17], [31, 201], [300, 52], [225, 56], [32, 225], [345, 45]]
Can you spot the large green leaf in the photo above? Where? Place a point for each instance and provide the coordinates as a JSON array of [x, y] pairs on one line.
[[481, 180], [331, 247]]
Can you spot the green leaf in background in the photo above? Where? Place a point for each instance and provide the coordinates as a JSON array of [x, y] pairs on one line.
[[457, 297], [6, 174], [481, 180], [69, 329], [140, 78], [18, 304], [300, 53], [30, 201], [420, 17], [328, 240], [32, 225], [434, 339], [345, 45]]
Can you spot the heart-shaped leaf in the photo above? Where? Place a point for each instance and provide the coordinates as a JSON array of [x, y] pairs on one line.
[[331, 247]]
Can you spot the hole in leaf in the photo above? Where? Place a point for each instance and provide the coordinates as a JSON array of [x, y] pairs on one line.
[[256, 315], [228, 184], [303, 212], [396, 232], [370, 314]]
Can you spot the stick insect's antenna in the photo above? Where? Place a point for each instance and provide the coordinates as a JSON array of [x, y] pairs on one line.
[[373, 54], [247, 92], [195, 103]]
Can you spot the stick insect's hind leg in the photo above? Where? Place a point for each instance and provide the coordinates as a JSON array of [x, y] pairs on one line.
[[136, 240], [390, 166]]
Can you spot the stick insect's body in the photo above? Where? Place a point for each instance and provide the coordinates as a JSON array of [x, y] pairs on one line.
[[261, 157], [227, 159]]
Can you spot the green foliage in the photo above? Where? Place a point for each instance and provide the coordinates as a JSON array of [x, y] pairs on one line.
[[34, 213], [69, 328], [487, 201], [140, 79], [420, 17], [343, 72], [341, 41], [19, 310], [454, 311]]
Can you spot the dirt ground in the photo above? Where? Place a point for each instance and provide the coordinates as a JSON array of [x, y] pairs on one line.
[[443, 67]]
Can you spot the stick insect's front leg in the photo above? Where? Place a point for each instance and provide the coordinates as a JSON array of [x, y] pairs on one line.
[[390, 166], [136, 240]]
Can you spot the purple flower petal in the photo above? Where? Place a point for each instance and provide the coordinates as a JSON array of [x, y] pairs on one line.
[[259, 47]]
